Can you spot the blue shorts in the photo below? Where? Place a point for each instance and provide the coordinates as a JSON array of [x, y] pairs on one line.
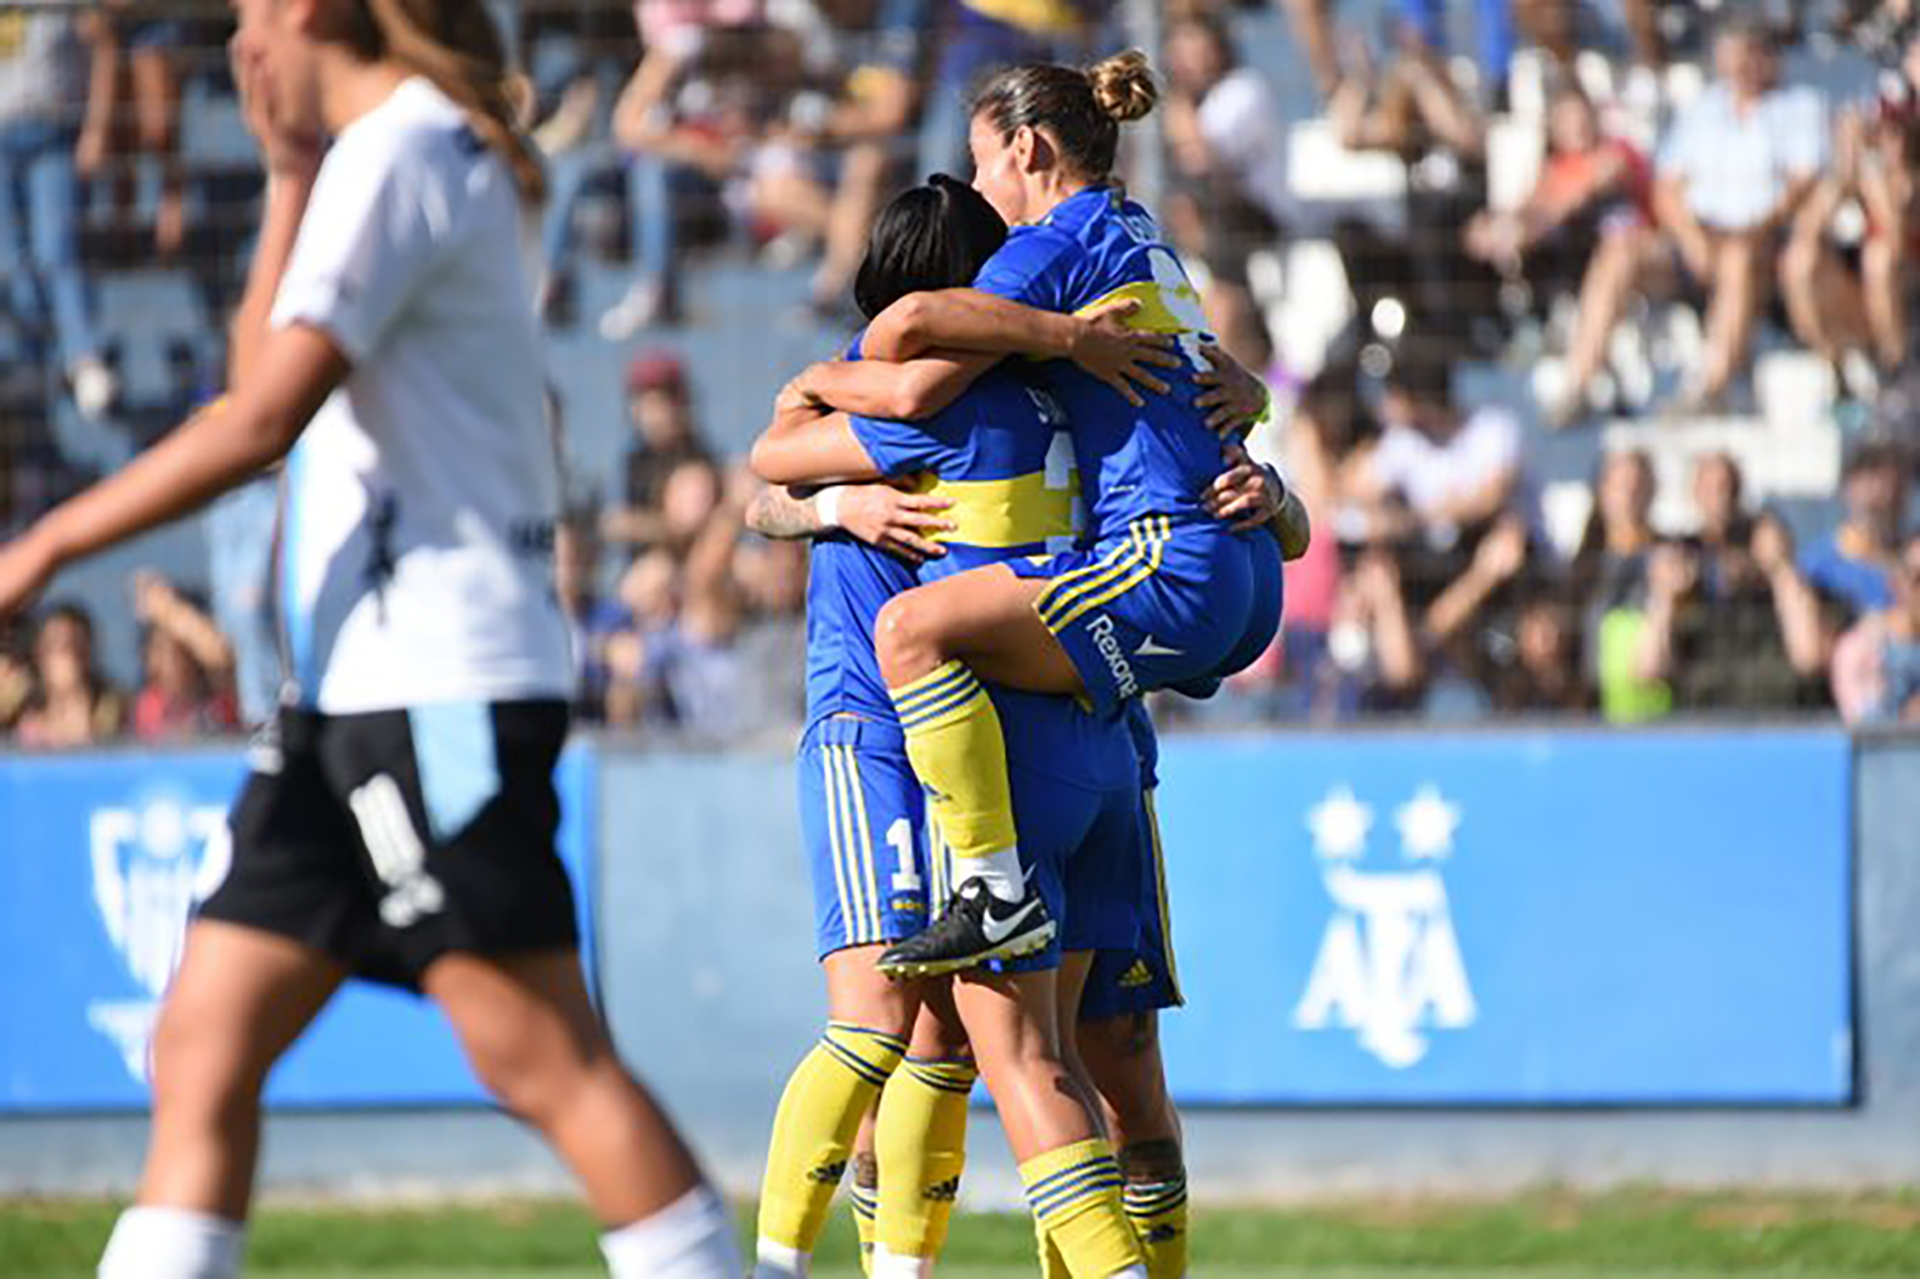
[[1165, 604], [1141, 978], [863, 819], [1079, 844]]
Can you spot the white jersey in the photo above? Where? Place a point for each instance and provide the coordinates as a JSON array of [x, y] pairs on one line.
[[419, 507]]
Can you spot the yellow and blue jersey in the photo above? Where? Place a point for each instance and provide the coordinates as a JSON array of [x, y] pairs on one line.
[[1097, 246], [1002, 454]]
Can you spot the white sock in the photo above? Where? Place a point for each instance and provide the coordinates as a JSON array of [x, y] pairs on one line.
[[1000, 871], [777, 1261], [888, 1264], [690, 1238], [1131, 1272], [172, 1243]]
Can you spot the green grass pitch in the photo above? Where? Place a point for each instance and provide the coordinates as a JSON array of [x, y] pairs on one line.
[[1634, 1234]]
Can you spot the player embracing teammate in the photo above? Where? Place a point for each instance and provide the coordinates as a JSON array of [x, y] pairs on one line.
[[1158, 592]]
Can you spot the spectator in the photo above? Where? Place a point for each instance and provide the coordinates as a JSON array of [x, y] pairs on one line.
[[1373, 642], [1853, 568], [1608, 583], [843, 150], [133, 109], [72, 704], [1417, 112], [592, 620], [1229, 150], [1510, 630], [188, 689], [649, 599], [666, 438], [1733, 172], [42, 69], [1876, 665], [1730, 624], [980, 35], [1440, 477], [684, 128], [1835, 310], [1563, 30], [1587, 225], [1312, 22]]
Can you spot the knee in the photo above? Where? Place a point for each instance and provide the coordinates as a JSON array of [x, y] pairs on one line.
[[903, 632]]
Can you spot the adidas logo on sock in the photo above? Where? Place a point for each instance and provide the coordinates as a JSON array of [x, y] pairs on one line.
[[828, 1174], [944, 1192]]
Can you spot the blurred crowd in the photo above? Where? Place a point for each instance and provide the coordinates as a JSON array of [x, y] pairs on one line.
[[1630, 202]]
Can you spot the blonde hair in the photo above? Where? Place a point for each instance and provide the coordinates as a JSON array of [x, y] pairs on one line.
[[455, 45], [1123, 86]]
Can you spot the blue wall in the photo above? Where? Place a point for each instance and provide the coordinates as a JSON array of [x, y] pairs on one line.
[[1486, 919]]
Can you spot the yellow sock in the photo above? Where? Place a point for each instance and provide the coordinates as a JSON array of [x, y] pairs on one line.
[[921, 1140], [1052, 1264], [813, 1132], [1157, 1210], [1074, 1192], [866, 1206], [959, 753]]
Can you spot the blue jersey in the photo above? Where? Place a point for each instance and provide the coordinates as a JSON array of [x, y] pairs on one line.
[[847, 584], [1002, 455], [1097, 246]]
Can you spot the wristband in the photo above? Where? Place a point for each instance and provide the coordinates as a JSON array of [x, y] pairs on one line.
[[826, 505]]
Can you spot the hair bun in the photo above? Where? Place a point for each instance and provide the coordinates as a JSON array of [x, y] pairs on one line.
[[1123, 85]]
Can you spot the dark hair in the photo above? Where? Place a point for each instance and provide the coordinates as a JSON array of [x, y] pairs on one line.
[[1082, 110], [936, 236]]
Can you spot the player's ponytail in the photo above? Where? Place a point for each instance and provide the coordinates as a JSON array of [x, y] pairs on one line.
[[455, 44], [1081, 110]]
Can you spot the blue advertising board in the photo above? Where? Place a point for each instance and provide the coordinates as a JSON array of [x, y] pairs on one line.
[[101, 859], [1512, 919]]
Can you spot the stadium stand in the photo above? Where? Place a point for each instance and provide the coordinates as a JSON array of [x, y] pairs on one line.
[[1356, 264]]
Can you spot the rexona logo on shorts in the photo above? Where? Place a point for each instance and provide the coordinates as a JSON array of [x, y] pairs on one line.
[[1389, 967], [1126, 683], [151, 862]]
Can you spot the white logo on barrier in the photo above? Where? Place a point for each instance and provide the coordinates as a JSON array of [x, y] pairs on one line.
[[1389, 967], [150, 865]]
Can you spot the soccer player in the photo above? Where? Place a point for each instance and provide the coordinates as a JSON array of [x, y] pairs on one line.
[[1003, 461], [400, 823], [1004, 466], [1165, 596]]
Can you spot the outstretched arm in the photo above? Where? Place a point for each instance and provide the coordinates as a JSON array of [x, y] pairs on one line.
[[1100, 341], [212, 452], [904, 392], [882, 516]]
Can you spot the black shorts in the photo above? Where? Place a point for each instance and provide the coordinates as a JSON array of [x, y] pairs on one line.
[[388, 839]]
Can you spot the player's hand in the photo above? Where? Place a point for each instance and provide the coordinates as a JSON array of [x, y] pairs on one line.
[[901, 524], [794, 397], [1122, 357], [1246, 494], [1236, 398], [26, 566], [286, 152]]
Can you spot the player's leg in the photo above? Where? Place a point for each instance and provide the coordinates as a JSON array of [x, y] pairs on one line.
[[240, 998], [1116, 1026], [935, 644], [920, 1141], [1122, 1055], [536, 1043], [824, 1103], [862, 823], [1072, 1180]]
